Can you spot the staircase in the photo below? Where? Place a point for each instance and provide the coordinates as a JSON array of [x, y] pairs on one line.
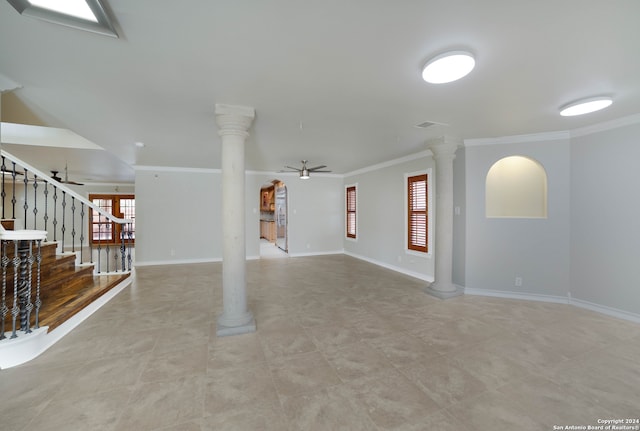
[[66, 289], [72, 259]]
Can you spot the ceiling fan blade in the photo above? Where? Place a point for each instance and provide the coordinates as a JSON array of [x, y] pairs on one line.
[[317, 167], [292, 169], [314, 171]]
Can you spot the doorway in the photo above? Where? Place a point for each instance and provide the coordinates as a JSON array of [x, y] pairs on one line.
[[273, 220]]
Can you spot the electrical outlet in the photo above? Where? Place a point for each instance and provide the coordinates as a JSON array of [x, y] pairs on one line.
[[518, 281], [173, 252]]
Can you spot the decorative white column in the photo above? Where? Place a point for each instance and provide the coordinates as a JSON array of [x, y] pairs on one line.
[[444, 151], [233, 124]]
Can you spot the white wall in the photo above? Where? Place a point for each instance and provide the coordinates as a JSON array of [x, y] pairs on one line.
[[179, 215], [500, 249], [381, 215], [605, 218]]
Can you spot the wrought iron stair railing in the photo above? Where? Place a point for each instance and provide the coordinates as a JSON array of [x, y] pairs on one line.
[[30, 199]]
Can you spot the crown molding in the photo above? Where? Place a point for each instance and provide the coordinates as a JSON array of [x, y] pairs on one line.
[[517, 139], [607, 125]]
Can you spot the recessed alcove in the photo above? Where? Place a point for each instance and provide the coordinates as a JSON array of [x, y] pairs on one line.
[[516, 187]]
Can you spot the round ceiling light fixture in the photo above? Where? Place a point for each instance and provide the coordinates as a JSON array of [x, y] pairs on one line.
[[585, 106], [448, 67]]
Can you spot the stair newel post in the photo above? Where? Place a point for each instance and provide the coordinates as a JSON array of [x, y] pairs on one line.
[[25, 180], [64, 228], [5, 262], [3, 194], [15, 310], [73, 224], [38, 301], [81, 231]]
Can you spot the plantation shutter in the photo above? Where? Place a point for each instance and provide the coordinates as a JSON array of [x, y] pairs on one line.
[[417, 223], [351, 212]]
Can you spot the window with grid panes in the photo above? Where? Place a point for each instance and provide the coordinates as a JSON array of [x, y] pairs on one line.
[[417, 213], [104, 231]]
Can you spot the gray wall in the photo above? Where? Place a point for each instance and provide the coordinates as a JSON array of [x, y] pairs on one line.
[[381, 217], [500, 249], [605, 218], [179, 215]]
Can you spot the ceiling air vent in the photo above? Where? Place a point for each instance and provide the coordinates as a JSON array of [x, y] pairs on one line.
[[429, 124]]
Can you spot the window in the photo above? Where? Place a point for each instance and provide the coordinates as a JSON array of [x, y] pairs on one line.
[[417, 213], [104, 231], [351, 211]]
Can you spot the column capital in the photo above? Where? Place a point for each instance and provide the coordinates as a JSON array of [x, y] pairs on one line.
[[443, 147], [234, 119]]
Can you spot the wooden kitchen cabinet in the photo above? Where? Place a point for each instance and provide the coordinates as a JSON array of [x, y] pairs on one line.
[[268, 230]]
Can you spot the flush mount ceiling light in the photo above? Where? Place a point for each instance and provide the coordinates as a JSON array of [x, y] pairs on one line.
[[448, 67], [585, 106], [88, 15]]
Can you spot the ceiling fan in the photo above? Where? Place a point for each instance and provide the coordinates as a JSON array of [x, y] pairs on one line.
[[304, 170], [54, 175]]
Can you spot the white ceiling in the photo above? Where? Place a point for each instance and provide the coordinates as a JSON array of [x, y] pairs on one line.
[[348, 71]]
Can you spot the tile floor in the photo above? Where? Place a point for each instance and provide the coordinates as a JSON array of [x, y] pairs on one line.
[[341, 345]]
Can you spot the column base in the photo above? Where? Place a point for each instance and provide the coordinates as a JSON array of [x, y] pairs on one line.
[[224, 328], [444, 294]]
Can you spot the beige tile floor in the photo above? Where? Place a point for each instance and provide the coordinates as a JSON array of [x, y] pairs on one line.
[[341, 345]]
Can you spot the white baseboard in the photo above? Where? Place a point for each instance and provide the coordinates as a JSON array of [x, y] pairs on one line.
[[27, 347], [317, 253], [419, 276], [609, 311], [516, 295], [613, 312], [176, 262]]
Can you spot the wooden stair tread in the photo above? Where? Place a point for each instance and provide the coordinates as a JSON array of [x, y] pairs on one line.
[[65, 289]]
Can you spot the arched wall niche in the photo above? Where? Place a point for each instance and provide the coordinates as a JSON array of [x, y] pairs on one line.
[[516, 187]]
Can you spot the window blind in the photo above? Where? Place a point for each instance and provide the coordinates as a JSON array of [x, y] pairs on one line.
[[417, 212], [351, 212]]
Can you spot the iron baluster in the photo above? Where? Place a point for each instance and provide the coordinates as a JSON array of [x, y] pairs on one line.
[[35, 202], [46, 212], [25, 322], [122, 247], [5, 262], [15, 310], [55, 213], [26, 200], [38, 300], [99, 241], [107, 250], [64, 228], [73, 224], [130, 238], [3, 194], [13, 197], [81, 231]]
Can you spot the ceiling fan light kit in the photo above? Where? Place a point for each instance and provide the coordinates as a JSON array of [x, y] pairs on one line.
[[304, 171]]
